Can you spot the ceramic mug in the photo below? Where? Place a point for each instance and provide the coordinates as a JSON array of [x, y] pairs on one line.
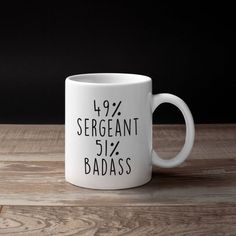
[[108, 130]]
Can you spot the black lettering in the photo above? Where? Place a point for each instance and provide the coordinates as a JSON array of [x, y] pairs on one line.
[[102, 130], [95, 167], [128, 171], [79, 132], [127, 127], [109, 128], [104, 167], [86, 127], [118, 128], [112, 169], [86, 165], [136, 125], [121, 167], [94, 130]]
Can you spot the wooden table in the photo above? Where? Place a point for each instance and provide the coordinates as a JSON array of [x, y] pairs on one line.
[[196, 198]]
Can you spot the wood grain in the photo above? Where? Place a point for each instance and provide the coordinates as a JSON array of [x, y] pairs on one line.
[[215, 141], [208, 176], [42, 183], [31, 142], [167, 220], [196, 198], [46, 142]]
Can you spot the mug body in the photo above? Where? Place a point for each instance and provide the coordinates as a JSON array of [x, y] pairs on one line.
[[108, 130]]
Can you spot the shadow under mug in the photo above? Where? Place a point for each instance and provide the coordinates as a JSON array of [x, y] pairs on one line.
[[108, 130]]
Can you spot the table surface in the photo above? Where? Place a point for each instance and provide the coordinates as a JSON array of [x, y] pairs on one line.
[[198, 197]]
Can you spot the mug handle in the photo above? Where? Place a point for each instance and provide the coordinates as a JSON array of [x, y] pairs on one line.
[[190, 130]]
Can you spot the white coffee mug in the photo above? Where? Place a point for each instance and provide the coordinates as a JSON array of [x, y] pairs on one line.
[[108, 130]]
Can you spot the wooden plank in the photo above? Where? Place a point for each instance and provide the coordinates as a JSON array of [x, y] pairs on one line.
[[42, 183], [32, 169], [166, 220], [46, 142], [31, 142], [212, 141], [198, 198]]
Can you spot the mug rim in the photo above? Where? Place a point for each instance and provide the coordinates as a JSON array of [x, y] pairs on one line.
[[108, 79]]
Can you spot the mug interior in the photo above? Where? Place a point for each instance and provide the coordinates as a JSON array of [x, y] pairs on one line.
[[109, 78]]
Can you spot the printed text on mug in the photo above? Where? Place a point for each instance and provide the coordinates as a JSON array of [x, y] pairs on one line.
[[107, 128]]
